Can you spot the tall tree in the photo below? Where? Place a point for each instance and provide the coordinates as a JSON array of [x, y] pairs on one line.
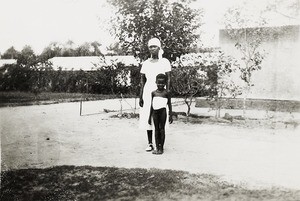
[[68, 49], [115, 49], [26, 56], [54, 49], [10, 53], [175, 23], [96, 45], [83, 50]]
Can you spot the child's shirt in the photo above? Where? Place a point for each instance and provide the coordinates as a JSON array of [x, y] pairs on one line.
[[159, 102]]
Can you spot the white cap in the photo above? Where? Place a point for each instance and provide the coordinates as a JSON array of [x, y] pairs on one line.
[[155, 42]]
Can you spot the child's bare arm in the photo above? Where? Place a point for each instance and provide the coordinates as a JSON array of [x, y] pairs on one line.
[[170, 108]]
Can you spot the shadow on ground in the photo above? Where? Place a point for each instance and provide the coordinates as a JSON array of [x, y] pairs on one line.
[[108, 183]]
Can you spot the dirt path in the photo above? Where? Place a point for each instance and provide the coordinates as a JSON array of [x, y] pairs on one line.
[[50, 135]]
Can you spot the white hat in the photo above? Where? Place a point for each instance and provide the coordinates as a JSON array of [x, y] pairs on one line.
[[155, 42]]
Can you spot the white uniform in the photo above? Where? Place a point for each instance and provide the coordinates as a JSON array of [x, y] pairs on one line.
[[151, 70]]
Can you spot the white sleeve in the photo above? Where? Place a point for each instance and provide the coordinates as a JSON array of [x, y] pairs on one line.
[[167, 65], [143, 69]]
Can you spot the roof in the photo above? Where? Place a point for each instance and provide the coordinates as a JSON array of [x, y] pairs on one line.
[[266, 32], [269, 28], [7, 61], [90, 62]]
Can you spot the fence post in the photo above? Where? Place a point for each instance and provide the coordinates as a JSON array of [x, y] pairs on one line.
[[80, 107], [121, 103]]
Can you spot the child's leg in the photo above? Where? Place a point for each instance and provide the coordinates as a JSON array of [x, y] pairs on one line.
[[162, 124], [159, 120], [156, 120]]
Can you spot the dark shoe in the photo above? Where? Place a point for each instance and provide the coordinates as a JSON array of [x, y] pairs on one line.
[[157, 152]]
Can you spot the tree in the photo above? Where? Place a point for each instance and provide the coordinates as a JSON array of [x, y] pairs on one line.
[[96, 51], [204, 74], [248, 42], [53, 50], [83, 50], [112, 76], [174, 23], [115, 49], [289, 9], [10, 53], [26, 57], [187, 80], [68, 49], [33, 70], [221, 85]]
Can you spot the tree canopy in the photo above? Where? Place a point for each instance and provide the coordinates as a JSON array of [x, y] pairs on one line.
[[55, 49], [174, 23], [10, 53]]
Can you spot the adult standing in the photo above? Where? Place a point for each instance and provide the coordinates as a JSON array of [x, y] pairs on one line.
[[153, 66]]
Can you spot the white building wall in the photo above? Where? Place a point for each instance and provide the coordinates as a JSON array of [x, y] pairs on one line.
[[279, 76]]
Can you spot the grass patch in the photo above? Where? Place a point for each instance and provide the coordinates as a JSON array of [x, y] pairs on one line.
[[254, 104], [26, 98], [237, 121], [109, 183]]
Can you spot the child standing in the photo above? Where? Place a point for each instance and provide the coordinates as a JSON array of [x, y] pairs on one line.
[[160, 99]]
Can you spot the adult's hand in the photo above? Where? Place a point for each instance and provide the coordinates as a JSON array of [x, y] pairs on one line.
[[141, 103]]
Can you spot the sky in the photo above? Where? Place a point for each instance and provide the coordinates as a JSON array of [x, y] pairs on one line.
[[39, 22]]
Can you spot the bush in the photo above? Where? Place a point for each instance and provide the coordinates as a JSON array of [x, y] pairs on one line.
[[111, 79]]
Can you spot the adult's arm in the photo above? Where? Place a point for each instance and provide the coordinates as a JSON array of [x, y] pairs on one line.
[[151, 109], [142, 84], [168, 81]]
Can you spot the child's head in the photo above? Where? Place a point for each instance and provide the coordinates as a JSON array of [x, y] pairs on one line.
[[161, 81]]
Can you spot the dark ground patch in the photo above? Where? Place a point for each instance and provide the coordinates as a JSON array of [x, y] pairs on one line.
[[109, 183], [11, 99]]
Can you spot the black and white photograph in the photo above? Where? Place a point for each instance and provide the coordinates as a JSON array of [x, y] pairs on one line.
[[150, 100]]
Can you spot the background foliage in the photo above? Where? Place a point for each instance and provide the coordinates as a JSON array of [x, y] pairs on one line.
[[174, 23], [35, 74], [206, 75]]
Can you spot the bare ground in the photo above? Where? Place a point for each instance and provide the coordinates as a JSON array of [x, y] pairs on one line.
[[260, 153]]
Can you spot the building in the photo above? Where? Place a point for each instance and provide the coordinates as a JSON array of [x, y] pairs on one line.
[[88, 63], [4, 62], [279, 76], [7, 61]]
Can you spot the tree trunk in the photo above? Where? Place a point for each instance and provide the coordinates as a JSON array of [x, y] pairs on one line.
[[121, 103], [188, 111], [218, 108], [80, 110], [112, 85], [244, 101], [244, 106], [188, 105], [135, 100]]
